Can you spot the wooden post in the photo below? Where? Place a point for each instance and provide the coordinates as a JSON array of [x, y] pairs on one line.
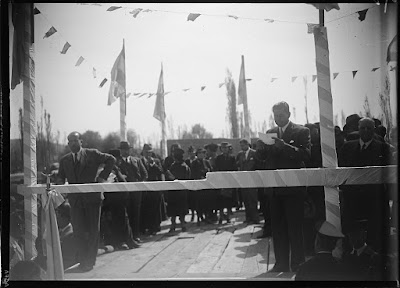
[[327, 129], [30, 167]]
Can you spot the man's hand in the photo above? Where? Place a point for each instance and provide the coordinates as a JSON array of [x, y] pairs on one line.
[[101, 180], [279, 143]]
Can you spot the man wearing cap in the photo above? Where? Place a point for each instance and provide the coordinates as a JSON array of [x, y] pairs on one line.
[[246, 161], [152, 200], [366, 201], [225, 162], [323, 266], [80, 167], [191, 196], [290, 151], [133, 170]]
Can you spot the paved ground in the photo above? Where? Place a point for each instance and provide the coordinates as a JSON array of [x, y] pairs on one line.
[[227, 251]]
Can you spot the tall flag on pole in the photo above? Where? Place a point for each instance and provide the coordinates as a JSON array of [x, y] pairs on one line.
[[242, 91], [391, 54], [118, 79], [159, 109], [159, 113]]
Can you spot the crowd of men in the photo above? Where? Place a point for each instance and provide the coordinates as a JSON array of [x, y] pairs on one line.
[[293, 216]]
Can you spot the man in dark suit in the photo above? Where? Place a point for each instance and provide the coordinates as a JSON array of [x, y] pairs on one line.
[[79, 167], [290, 151], [246, 161], [366, 201], [133, 170]]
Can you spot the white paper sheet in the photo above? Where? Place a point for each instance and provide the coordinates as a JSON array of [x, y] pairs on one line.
[[267, 137]]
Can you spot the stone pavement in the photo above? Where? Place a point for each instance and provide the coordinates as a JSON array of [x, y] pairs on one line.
[[211, 252]]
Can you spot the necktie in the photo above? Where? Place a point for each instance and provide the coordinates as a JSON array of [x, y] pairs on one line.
[[280, 133], [75, 158]]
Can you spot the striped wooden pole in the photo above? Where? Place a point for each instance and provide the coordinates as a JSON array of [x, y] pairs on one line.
[[328, 147], [29, 137], [122, 103]]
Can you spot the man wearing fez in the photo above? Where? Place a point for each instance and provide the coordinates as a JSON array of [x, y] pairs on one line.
[[152, 200], [133, 171], [323, 266], [290, 151], [246, 161], [225, 162], [79, 167], [366, 201]]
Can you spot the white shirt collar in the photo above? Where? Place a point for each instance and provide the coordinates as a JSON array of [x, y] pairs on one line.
[[284, 127], [77, 154], [366, 143]]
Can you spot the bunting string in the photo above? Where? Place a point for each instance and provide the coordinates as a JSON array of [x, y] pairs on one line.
[[361, 14]]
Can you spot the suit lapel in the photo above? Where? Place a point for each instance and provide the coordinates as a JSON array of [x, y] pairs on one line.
[[288, 132], [70, 166]]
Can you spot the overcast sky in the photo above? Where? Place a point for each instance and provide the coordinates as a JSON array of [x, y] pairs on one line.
[[196, 54]]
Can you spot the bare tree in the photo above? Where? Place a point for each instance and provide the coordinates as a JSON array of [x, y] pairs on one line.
[[384, 103], [57, 141], [197, 132], [49, 139], [132, 137], [305, 81], [232, 114], [271, 121], [170, 124], [367, 108]]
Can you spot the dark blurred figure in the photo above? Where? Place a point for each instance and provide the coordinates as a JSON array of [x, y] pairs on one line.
[[25, 271], [367, 264], [152, 202], [246, 161], [323, 266], [264, 194], [133, 170], [177, 200], [369, 202], [339, 139], [199, 169], [211, 156], [351, 127], [225, 162], [170, 159], [67, 238], [191, 196]]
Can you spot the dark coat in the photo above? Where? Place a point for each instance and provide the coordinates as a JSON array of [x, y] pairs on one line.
[[134, 170], [199, 168], [225, 163], [68, 247], [246, 164], [155, 171], [177, 200], [86, 172]]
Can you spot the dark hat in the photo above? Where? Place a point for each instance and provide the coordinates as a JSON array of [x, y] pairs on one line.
[[115, 152], [191, 148], [212, 146], [200, 150], [224, 144], [329, 229], [353, 119], [124, 145], [179, 151], [147, 147]]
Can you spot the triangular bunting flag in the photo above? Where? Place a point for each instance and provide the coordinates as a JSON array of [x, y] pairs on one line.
[[335, 75], [94, 73], [141, 95], [192, 16], [393, 68], [185, 90], [127, 95], [374, 69], [151, 94], [136, 94], [362, 14], [314, 77], [269, 20], [249, 79], [103, 82], [113, 8], [65, 48], [167, 93], [294, 78], [136, 12], [354, 73], [203, 87], [273, 79], [220, 85], [36, 11], [310, 27], [79, 62], [233, 16], [147, 10], [51, 31]]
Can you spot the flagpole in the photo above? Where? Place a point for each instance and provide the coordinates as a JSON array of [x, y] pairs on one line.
[[245, 107], [122, 106], [164, 150]]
